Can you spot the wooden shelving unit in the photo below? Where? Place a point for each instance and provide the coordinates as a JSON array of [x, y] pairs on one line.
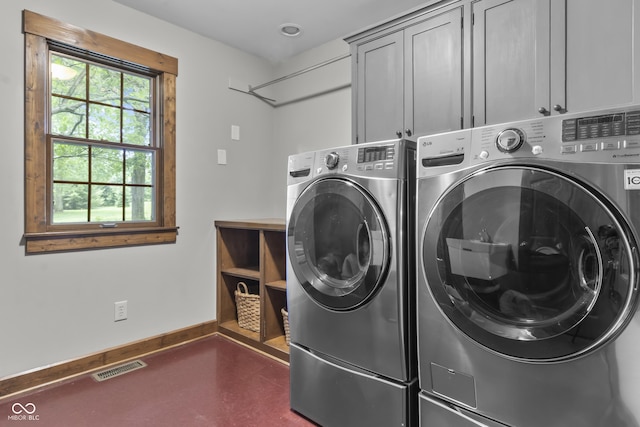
[[253, 252]]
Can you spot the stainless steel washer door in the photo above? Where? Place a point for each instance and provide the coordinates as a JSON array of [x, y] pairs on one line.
[[338, 243], [530, 263]]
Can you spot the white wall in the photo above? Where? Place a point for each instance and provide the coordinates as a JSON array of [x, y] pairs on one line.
[[56, 307], [315, 111]]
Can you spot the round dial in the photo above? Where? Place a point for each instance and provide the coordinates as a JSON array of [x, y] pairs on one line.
[[509, 140], [331, 160]]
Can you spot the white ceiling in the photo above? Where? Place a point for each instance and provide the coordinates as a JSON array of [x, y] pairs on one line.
[[253, 26]]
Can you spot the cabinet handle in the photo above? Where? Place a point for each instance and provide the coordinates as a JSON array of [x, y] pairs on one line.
[[543, 111], [399, 133], [408, 132], [559, 109]]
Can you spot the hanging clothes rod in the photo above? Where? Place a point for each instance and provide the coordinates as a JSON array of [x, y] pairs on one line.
[[297, 73]]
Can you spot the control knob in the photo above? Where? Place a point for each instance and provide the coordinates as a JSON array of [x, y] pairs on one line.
[[510, 140], [331, 160]]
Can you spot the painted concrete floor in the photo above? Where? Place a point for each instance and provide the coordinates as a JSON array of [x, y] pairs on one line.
[[210, 382]]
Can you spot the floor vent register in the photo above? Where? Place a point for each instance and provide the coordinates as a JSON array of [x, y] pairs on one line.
[[118, 370]]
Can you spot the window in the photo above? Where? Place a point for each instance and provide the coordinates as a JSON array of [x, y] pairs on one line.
[[103, 158], [99, 140]]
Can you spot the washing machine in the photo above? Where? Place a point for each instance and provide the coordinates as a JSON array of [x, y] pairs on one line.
[[350, 284], [527, 273]]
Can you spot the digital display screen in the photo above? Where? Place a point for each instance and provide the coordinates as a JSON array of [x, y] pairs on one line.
[[600, 120], [605, 126], [374, 154]]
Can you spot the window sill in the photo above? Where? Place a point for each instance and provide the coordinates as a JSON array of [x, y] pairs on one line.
[[37, 243]]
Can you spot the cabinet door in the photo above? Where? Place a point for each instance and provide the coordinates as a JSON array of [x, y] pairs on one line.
[[434, 74], [510, 59], [600, 59], [379, 112]]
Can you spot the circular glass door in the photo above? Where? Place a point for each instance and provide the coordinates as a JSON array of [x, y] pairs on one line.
[[529, 263], [338, 244]]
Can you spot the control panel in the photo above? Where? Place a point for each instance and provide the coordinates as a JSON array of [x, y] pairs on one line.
[[603, 132], [374, 159], [606, 136], [602, 126]]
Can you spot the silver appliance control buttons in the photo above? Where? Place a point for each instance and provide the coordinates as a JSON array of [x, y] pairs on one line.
[[510, 140], [610, 145], [331, 160], [628, 143]]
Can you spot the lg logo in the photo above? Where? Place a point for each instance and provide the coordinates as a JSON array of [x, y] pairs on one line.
[[632, 179]]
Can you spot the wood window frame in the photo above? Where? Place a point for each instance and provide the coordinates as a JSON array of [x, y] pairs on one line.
[[39, 236]]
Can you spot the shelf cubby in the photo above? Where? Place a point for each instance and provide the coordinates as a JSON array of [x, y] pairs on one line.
[[253, 252]]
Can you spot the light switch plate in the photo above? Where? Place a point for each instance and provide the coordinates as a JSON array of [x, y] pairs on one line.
[[222, 157], [235, 132]]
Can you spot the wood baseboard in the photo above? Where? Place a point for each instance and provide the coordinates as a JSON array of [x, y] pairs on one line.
[[41, 376]]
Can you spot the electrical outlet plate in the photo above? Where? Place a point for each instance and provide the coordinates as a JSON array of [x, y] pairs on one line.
[[120, 311]]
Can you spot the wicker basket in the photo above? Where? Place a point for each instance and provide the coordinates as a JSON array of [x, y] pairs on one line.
[[285, 318], [248, 307]]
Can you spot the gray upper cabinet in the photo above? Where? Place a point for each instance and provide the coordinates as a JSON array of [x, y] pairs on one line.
[[510, 75], [380, 89], [601, 62], [434, 74], [542, 57], [408, 78], [462, 63]]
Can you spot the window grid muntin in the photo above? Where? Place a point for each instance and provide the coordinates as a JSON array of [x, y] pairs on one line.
[[87, 101], [152, 147], [124, 185]]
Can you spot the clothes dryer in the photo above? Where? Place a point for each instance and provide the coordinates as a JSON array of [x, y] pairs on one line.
[[350, 284], [528, 273]]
